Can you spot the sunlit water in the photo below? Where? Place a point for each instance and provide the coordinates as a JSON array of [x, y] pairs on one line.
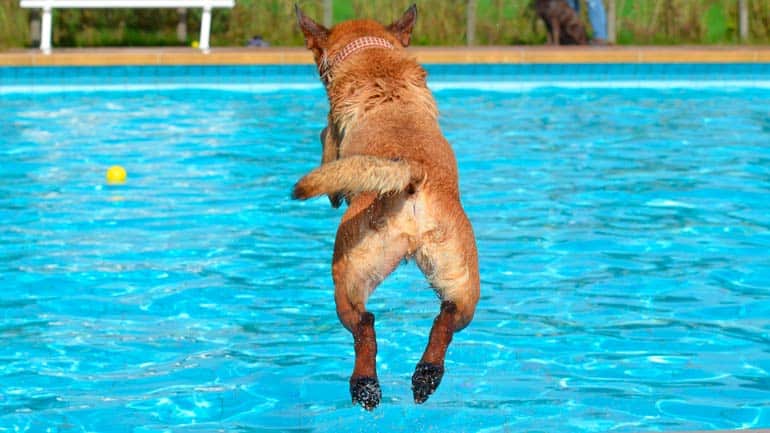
[[624, 239]]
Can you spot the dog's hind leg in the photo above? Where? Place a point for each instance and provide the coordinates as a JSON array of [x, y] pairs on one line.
[[429, 371], [365, 252], [364, 385], [449, 260]]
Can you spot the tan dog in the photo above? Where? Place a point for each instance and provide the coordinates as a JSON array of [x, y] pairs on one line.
[[385, 154]]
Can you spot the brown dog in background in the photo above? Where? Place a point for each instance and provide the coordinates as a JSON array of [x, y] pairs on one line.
[[563, 23], [385, 154]]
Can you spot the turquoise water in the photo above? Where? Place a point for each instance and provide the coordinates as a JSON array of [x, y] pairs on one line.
[[623, 237]]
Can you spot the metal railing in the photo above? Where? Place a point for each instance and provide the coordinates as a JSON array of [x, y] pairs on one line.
[[47, 7]]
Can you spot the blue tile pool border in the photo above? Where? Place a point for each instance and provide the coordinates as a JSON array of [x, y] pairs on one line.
[[18, 79]]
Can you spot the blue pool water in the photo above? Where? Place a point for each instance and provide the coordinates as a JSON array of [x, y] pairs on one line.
[[623, 234]]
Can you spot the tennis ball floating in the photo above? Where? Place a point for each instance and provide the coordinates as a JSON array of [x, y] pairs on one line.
[[116, 175]]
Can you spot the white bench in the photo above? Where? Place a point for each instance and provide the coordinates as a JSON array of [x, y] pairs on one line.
[[48, 5]]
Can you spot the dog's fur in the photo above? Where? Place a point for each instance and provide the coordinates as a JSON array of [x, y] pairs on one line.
[[384, 153], [563, 23]]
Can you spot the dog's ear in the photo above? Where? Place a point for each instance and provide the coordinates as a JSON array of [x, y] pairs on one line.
[[315, 34], [402, 29]]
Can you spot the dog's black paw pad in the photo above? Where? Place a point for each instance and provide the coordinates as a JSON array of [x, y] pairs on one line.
[[425, 380], [366, 392]]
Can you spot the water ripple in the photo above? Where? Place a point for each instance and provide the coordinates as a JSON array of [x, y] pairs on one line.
[[623, 237]]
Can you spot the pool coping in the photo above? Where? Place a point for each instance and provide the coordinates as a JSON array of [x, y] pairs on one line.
[[435, 55]]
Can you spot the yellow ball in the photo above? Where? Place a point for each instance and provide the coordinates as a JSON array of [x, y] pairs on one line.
[[194, 44], [116, 174]]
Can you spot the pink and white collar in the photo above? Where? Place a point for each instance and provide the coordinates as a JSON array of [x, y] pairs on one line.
[[362, 43]]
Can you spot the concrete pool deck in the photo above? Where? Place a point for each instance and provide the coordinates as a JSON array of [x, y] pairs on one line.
[[448, 55]]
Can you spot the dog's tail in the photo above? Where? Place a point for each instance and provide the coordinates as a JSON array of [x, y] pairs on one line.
[[357, 174]]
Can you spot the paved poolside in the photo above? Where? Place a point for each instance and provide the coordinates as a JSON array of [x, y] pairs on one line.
[[286, 56]]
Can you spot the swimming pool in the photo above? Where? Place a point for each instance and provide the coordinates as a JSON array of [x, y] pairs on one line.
[[623, 225]]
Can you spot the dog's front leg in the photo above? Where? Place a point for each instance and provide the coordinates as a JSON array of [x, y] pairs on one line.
[[330, 152], [330, 146]]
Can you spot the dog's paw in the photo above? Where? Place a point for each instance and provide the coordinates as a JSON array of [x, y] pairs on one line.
[[365, 391], [336, 200], [426, 378]]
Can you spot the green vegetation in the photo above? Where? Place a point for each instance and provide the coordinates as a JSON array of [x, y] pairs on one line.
[[441, 22], [13, 25], [689, 22]]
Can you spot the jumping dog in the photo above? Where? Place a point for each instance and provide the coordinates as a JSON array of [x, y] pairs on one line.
[[384, 153]]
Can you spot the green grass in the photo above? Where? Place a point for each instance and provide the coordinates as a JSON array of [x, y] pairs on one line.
[[440, 22]]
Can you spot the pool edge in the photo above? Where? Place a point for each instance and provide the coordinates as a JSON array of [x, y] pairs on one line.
[[444, 55]]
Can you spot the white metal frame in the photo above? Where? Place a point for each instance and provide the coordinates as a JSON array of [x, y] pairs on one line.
[[49, 5]]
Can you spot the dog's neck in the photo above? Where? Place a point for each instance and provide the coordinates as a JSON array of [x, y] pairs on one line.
[[363, 43], [387, 80]]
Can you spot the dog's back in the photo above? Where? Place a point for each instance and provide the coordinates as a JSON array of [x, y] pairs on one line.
[[563, 23], [386, 123]]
